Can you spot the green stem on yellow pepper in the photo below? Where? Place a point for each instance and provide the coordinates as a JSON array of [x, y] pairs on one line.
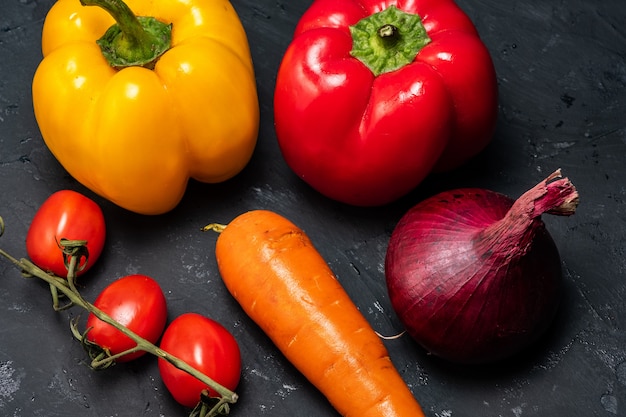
[[68, 289], [132, 40]]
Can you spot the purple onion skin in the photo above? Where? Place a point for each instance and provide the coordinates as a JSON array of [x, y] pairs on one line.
[[474, 277]]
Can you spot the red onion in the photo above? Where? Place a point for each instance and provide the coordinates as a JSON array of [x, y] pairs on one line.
[[473, 275]]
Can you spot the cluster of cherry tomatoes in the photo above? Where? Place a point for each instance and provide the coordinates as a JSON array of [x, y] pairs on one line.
[[134, 301]]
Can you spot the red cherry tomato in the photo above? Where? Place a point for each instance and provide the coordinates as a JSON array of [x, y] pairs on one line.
[[205, 345], [138, 303], [70, 215]]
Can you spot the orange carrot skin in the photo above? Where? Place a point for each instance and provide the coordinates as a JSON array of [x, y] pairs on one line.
[[271, 268]]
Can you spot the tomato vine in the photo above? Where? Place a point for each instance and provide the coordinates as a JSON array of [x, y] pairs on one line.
[[74, 251]]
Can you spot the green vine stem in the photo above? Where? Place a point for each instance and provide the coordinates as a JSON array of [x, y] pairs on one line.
[[68, 289]]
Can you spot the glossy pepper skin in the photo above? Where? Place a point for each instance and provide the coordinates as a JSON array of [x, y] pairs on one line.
[[367, 138], [136, 135]]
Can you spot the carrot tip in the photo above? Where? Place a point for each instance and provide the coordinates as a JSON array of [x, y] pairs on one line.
[[216, 227]]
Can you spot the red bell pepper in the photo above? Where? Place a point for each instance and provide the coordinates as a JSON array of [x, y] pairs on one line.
[[372, 96]]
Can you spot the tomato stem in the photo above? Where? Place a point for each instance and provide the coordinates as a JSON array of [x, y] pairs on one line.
[[68, 289]]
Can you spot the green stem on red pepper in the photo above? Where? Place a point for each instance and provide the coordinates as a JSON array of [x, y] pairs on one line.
[[388, 34], [388, 40], [73, 251], [132, 40]]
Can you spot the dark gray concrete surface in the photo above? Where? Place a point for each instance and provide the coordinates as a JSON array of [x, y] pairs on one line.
[[562, 76]]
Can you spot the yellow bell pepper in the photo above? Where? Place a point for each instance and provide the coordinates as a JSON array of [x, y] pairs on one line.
[[135, 131]]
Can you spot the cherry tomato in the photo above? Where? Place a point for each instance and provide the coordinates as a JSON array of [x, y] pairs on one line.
[[138, 303], [207, 346], [70, 215]]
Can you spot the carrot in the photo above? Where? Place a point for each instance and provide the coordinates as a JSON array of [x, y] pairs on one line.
[[271, 268]]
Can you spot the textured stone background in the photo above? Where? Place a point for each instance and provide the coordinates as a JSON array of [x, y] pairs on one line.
[[562, 77]]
